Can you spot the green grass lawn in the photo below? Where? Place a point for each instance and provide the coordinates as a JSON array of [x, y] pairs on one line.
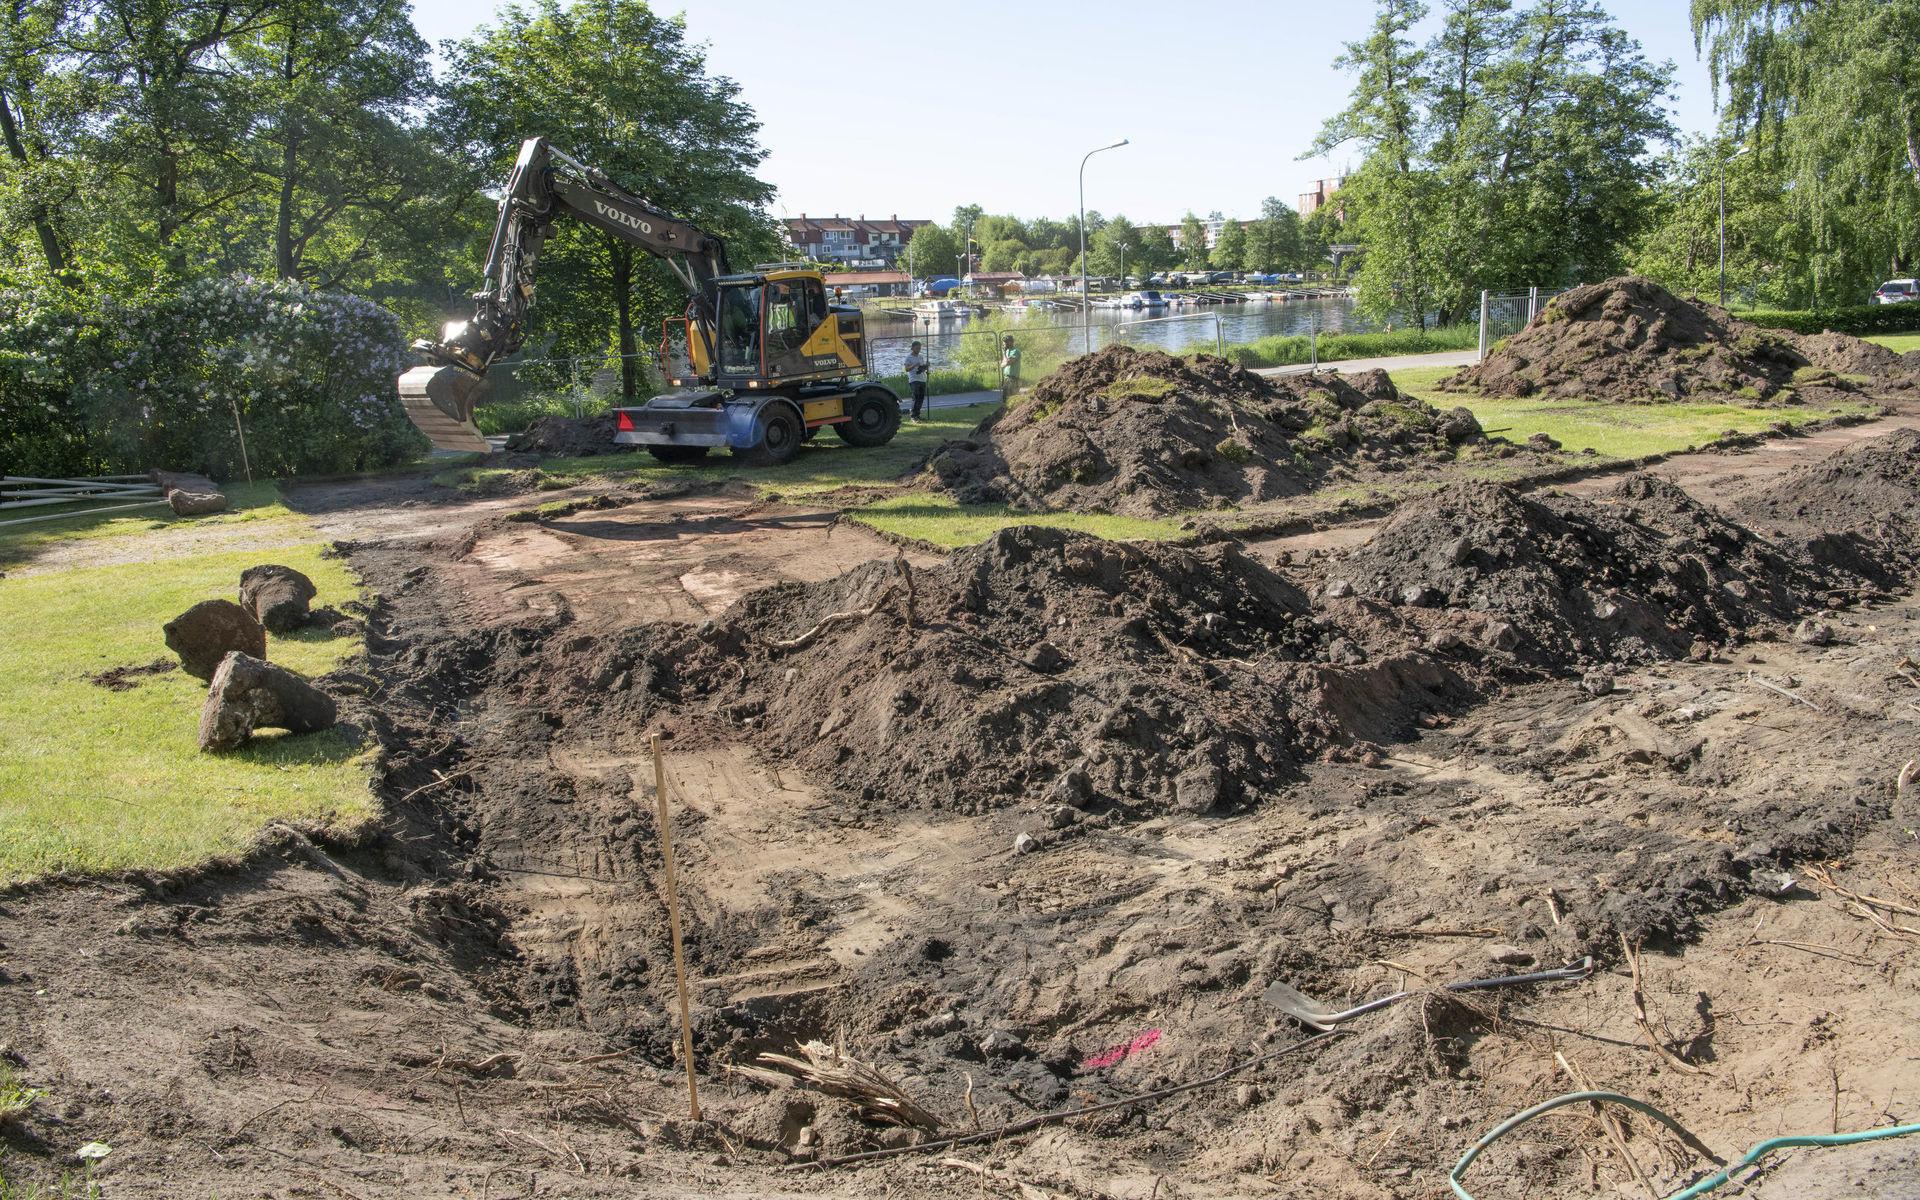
[[1611, 430], [250, 502], [1899, 343], [93, 780], [943, 521]]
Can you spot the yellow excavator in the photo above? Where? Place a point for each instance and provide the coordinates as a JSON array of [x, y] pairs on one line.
[[760, 362]]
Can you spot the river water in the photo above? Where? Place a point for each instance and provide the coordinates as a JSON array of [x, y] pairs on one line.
[[1165, 329]]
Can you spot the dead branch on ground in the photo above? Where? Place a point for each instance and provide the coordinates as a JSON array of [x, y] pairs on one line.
[[1640, 1015], [828, 1069], [1611, 1124], [830, 620]]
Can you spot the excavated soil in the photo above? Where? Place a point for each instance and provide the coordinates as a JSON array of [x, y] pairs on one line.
[[475, 996], [1629, 340], [1858, 510], [1141, 432], [566, 437], [1645, 574]]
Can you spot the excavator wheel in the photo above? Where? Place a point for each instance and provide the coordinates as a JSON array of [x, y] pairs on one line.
[[678, 454], [875, 418], [780, 434]]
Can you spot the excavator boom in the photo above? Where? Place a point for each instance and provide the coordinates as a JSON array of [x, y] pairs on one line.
[[546, 183]]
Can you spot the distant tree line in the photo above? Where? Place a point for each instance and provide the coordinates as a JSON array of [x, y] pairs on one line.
[[1277, 240]]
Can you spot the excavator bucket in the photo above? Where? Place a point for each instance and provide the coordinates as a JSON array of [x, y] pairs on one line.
[[439, 401]]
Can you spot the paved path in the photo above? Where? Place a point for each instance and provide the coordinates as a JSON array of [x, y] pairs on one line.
[[1398, 362]]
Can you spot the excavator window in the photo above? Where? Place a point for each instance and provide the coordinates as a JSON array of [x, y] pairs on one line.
[[787, 327], [739, 330]]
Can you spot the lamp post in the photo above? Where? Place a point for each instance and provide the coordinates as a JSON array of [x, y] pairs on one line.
[[1086, 302], [1123, 263]]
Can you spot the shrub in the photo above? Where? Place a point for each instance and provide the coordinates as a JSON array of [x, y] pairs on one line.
[[157, 379], [1232, 451], [1858, 321]]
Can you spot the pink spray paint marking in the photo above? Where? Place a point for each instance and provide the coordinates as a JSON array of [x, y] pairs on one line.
[[1118, 1054]]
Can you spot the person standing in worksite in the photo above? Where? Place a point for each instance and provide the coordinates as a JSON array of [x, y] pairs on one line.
[[1009, 368], [917, 377]]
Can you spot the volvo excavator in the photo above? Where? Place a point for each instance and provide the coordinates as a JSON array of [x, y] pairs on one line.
[[761, 361]]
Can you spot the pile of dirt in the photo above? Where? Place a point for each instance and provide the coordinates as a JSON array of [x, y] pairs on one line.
[[1143, 433], [1629, 340], [1844, 354], [1856, 510], [1644, 576], [1039, 667], [566, 437]]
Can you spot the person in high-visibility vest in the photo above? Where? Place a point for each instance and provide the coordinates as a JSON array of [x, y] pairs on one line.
[[1009, 368]]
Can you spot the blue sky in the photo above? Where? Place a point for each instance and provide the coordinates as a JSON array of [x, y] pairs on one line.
[[912, 109]]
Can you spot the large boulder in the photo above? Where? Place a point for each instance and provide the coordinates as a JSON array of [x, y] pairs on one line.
[[277, 596], [189, 495], [209, 631], [249, 693]]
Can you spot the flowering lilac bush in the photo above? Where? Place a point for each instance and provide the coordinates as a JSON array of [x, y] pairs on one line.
[[156, 380]]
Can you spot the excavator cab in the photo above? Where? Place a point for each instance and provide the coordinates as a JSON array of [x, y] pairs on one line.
[[777, 328]]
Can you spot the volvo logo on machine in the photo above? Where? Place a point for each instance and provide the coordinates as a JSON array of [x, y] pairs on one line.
[[622, 216]]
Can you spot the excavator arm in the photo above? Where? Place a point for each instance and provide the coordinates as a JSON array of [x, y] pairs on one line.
[[546, 183]]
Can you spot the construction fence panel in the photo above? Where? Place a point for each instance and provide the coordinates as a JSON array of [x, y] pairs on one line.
[[1503, 314]]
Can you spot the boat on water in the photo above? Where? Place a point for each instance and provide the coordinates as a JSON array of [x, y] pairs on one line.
[[941, 310], [1146, 299]]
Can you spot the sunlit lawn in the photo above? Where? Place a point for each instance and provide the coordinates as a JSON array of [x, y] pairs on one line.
[[1608, 429], [942, 520], [1899, 343], [249, 501], [93, 780]]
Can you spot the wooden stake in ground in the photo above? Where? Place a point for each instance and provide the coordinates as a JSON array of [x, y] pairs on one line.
[[673, 918]]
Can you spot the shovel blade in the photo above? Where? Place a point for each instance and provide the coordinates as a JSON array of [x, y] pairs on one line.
[[440, 401], [1298, 1005]]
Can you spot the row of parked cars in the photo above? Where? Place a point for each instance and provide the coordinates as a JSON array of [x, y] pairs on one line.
[[1177, 279]]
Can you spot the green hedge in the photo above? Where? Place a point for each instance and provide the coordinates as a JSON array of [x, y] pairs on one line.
[[1866, 319], [1284, 351]]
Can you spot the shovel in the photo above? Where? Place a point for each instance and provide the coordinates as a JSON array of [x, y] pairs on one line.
[[1312, 1013]]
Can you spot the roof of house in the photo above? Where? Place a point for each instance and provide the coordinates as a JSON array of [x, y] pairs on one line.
[[860, 278], [803, 229]]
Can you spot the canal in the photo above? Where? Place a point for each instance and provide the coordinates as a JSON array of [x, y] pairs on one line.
[[1171, 329]]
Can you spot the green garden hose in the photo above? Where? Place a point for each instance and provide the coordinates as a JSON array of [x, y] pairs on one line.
[[1640, 1106]]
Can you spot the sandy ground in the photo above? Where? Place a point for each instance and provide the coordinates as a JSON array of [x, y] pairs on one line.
[[475, 1000]]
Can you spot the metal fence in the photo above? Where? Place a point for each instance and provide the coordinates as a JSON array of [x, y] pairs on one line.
[[1506, 313]]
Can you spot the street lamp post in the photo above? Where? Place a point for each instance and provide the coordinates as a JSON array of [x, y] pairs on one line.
[[1086, 301], [1123, 264]]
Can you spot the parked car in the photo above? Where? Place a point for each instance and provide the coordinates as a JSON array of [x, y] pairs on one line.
[[1896, 291]]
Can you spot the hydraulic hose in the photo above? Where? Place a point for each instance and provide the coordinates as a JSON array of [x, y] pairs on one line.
[[1701, 1188]]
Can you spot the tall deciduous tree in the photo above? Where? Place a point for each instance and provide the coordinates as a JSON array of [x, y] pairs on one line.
[[1230, 248], [1273, 243], [1193, 241], [932, 251], [621, 87], [1829, 92], [1511, 150]]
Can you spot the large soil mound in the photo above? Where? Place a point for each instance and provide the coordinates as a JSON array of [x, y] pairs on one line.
[[1635, 579], [1857, 509], [566, 437], [1043, 666], [1629, 340], [1143, 433]]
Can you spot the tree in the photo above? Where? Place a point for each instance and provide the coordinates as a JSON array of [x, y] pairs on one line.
[[1826, 94], [1193, 241], [1511, 150], [1156, 251], [1273, 243], [1230, 249], [932, 251], [620, 87], [346, 183], [1113, 248], [1766, 259], [1003, 255]]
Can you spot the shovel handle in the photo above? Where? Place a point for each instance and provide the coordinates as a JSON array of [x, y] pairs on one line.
[[1573, 970]]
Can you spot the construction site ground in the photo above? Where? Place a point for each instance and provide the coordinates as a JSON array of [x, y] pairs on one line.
[[464, 997]]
